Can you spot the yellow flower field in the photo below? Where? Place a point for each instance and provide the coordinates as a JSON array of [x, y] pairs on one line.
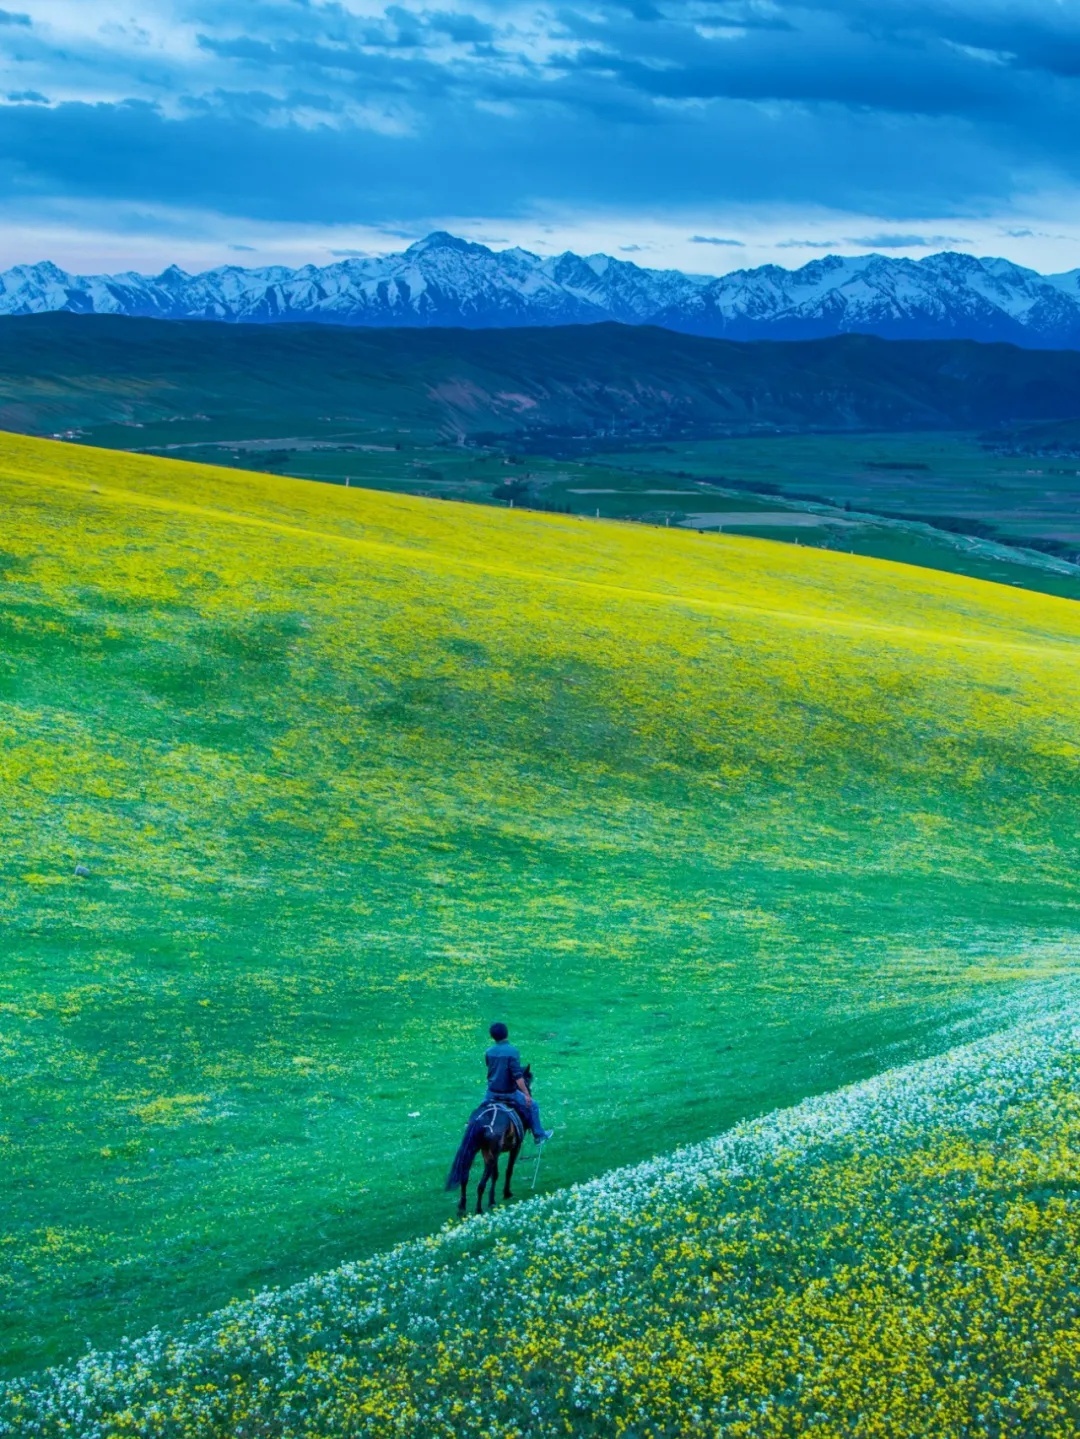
[[714, 824], [898, 1258]]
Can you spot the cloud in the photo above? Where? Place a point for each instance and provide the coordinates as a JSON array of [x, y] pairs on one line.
[[890, 241], [465, 28], [1024, 233], [808, 244], [297, 112], [248, 249]]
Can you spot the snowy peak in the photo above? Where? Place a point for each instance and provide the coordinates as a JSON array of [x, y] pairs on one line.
[[445, 280], [443, 240]]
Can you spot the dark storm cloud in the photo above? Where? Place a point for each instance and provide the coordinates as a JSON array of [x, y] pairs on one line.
[[311, 112], [230, 158], [1016, 34]]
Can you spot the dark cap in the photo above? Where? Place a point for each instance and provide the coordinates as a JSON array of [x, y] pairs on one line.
[[498, 1031]]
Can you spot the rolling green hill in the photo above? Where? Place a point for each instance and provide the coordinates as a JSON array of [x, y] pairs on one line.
[[714, 823], [63, 371], [895, 1258], [613, 420]]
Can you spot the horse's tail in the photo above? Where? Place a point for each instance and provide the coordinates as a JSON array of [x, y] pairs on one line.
[[463, 1159]]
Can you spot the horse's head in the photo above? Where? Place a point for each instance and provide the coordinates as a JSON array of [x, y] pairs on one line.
[[528, 1077]]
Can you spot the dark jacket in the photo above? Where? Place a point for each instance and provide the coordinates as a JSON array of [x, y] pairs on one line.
[[503, 1067]]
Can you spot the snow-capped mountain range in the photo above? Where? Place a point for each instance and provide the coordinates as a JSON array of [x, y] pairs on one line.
[[443, 280]]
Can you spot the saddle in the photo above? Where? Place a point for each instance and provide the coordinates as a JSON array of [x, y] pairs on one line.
[[484, 1115]]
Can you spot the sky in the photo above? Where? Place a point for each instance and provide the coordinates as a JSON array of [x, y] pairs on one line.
[[708, 135]]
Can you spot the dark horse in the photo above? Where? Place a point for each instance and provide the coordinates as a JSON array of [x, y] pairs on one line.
[[491, 1131]]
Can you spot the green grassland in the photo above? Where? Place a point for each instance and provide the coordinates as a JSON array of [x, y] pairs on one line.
[[897, 1258], [624, 422], [767, 482], [714, 823], [1052, 440], [577, 382], [966, 477], [750, 486]]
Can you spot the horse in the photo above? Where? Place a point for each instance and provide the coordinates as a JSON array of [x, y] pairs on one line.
[[492, 1131]]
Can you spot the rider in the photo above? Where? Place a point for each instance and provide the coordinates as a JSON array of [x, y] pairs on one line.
[[506, 1082]]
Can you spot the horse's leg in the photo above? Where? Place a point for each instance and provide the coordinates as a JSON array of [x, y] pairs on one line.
[[483, 1180], [464, 1196], [515, 1150], [494, 1180]]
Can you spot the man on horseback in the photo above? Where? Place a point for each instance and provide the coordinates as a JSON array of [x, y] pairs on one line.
[[507, 1083]]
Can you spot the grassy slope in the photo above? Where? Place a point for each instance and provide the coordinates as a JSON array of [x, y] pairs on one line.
[[388, 409], [646, 484], [713, 823], [896, 1258], [61, 371]]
